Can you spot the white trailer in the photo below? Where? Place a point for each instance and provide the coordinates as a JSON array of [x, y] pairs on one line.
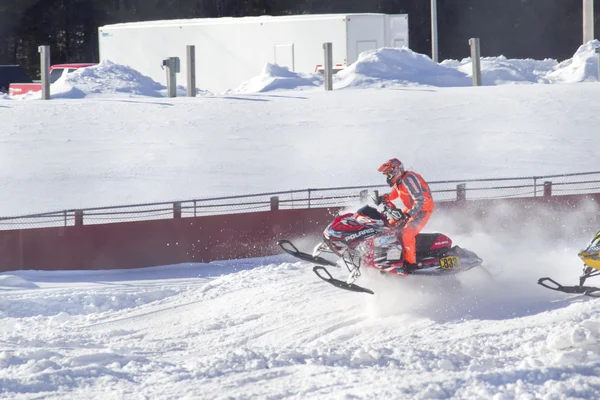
[[230, 51]]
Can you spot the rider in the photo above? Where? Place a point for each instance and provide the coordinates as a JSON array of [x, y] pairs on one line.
[[416, 196]]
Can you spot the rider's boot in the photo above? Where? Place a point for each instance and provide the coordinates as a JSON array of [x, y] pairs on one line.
[[410, 267]]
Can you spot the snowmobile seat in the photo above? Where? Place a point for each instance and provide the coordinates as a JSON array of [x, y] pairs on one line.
[[425, 241]]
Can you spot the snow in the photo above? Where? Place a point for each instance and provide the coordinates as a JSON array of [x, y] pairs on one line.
[[581, 68], [268, 327], [387, 66], [500, 70], [273, 77]]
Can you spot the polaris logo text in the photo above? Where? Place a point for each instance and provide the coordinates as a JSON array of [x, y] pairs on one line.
[[359, 234]]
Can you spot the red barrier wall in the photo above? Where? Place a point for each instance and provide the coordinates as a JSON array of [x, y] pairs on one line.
[[204, 239], [159, 242]]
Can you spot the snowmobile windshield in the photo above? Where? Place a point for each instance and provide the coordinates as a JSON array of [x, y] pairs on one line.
[[594, 246], [370, 212]]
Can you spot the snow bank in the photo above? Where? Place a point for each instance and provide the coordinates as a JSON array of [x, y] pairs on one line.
[[106, 78], [274, 77], [386, 67], [583, 67], [501, 70], [11, 281], [391, 66], [79, 302]]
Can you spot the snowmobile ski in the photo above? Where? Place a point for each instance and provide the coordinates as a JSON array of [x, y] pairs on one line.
[[575, 289], [591, 268], [338, 283], [289, 248]]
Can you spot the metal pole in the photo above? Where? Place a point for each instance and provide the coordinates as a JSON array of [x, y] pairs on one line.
[[177, 209], [461, 192], [434, 31], [45, 71], [328, 66], [274, 203], [598, 52], [588, 21], [476, 60], [171, 65], [191, 71], [547, 189]]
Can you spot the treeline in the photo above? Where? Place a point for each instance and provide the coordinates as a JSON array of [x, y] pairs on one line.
[[514, 28]]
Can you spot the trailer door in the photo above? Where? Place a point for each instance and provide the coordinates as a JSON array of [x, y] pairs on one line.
[[284, 56], [364, 45], [399, 43], [364, 32], [397, 30]]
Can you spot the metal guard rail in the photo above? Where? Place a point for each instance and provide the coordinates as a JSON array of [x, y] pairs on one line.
[[442, 191]]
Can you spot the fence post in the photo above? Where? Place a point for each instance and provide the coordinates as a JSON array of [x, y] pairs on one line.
[[588, 21], [309, 192], [172, 65], [598, 52], [461, 192], [177, 210], [45, 71], [547, 189], [328, 65], [274, 203], [363, 196], [191, 71], [476, 60], [78, 217], [434, 31]]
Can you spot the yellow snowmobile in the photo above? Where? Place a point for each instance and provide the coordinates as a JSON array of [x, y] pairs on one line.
[[591, 267]]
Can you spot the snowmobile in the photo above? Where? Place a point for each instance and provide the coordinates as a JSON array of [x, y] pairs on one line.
[[591, 267], [365, 239]]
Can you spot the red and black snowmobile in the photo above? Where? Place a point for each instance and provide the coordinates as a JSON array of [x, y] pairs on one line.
[[364, 238]]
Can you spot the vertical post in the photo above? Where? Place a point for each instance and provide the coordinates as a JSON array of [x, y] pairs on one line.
[[177, 210], [363, 195], [195, 215], [171, 65], [78, 217], [534, 187], [476, 60], [274, 203], [328, 65], [547, 189], [191, 71], [461, 192], [45, 71], [309, 192], [598, 52], [434, 31], [588, 21]]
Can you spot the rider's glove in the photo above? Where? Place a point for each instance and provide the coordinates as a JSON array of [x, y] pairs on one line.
[[396, 215], [377, 200]]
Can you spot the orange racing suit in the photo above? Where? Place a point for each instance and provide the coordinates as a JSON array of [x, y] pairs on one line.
[[416, 196]]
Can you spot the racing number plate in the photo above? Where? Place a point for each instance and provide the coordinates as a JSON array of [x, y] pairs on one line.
[[450, 262]]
